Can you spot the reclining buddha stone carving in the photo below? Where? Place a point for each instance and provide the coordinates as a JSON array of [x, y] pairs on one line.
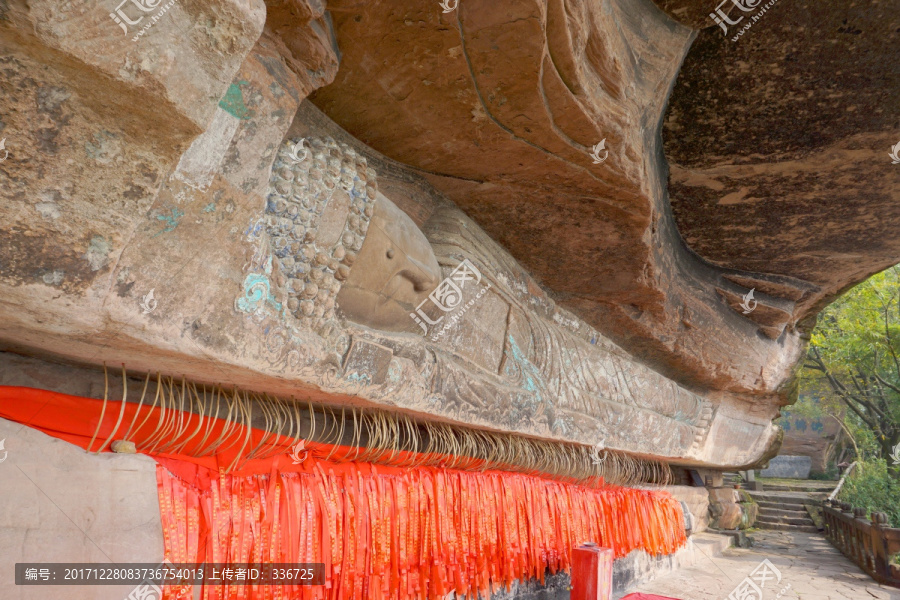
[[345, 259], [318, 210], [338, 242], [396, 269]]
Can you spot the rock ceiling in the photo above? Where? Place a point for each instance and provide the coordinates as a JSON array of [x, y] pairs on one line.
[[619, 161], [773, 174]]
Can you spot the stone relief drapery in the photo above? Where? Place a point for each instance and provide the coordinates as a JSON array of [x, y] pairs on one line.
[[339, 264]]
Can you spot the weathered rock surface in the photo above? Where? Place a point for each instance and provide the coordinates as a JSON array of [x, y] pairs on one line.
[[697, 500], [724, 494], [778, 146], [171, 202], [812, 437], [788, 467], [522, 92], [731, 509], [724, 515]]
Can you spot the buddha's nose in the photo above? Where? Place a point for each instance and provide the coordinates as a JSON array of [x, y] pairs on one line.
[[419, 275]]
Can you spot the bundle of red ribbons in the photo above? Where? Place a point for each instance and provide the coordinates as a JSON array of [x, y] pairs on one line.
[[382, 532]]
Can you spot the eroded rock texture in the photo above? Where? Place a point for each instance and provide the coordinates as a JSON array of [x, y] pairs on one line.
[[779, 146], [469, 222], [499, 106]]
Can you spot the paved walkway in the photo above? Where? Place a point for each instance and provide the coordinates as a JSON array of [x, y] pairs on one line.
[[808, 568]]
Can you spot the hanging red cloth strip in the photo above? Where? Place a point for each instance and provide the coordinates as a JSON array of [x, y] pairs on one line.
[[382, 532]]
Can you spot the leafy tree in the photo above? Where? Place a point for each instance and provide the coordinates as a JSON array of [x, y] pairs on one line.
[[874, 488], [855, 349]]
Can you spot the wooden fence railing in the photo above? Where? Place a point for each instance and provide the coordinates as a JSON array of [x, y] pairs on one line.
[[868, 543]]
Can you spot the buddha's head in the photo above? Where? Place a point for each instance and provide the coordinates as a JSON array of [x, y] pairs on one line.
[[340, 245]]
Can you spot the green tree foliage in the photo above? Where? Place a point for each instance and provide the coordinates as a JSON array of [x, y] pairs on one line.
[[855, 348], [874, 488], [853, 364]]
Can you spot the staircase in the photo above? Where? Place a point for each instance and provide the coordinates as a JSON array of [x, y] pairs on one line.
[[782, 505], [729, 479]]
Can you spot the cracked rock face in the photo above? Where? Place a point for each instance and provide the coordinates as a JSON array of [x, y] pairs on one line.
[[778, 147], [523, 93], [170, 200]]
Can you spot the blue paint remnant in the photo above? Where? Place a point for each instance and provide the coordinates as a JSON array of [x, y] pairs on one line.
[[233, 102], [253, 230], [394, 372], [789, 422], [357, 377], [211, 207], [171, 221], [257, 293], [531, 377]]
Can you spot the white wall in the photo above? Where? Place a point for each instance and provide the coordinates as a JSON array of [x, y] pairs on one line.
[[60, 504]]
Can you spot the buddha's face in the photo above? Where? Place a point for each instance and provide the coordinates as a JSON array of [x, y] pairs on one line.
[[393, 273]]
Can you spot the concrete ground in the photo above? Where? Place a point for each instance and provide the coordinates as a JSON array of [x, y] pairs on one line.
[[808, 568]]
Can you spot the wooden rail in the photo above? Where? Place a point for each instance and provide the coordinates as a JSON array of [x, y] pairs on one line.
[[868, 543]]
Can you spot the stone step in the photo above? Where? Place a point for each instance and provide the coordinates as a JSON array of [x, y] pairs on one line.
[[768, 490], [710, 543], [780, 512], [788, 527], [797, 488], [783, 505], [791, 497], [811, 494], [785, 521], [800, 486]]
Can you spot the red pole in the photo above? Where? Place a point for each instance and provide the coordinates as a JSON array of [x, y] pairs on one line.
[[592, 569]]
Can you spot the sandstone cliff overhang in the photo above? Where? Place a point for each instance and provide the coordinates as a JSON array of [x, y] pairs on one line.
[[171, 201]]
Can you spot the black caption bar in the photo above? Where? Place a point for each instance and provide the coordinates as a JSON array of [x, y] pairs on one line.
[[156, 574]]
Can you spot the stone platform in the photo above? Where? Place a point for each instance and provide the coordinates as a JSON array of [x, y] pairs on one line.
[[628, 572], [807, 563]]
